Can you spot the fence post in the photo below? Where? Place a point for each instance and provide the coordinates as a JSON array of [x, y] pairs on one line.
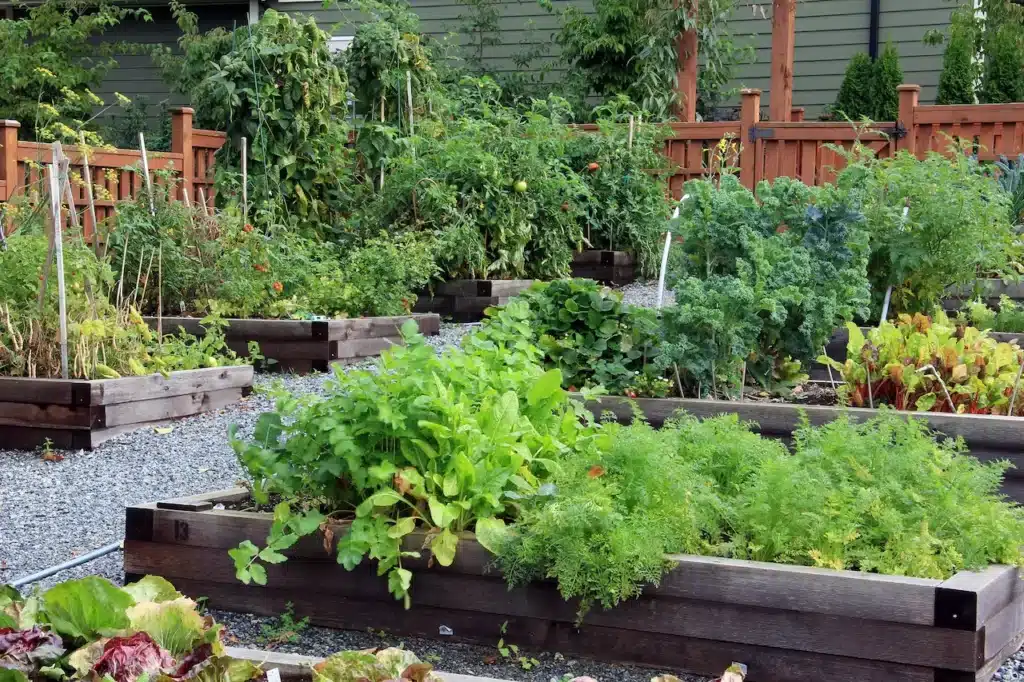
[[797, 114], [750, 114], [181, 143], [686, 69], [909, 95], [9, 158], [780, 97]]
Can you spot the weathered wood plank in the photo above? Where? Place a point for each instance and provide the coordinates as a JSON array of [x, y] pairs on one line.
[[204, 501], [170, 407], [49, 416], [969, 599], [130, 389], [29, 438], [365, 348], [482, 288], [694, 655], [813, 632], [240, 328], [45, 391], [1003, 627], [380, 327], [855, 594], [598, 257], [320, 349]]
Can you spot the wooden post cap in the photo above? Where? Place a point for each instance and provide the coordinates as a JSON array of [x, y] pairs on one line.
[[751, 91], [8, 123], [182, 110], [908, 88]]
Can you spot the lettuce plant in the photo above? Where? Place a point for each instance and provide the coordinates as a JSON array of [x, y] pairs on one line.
[[90, 629]]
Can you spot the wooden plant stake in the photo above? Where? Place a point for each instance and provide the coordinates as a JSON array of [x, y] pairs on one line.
[[160, 297], [245, 180], [202, 200], [145, 169], [87, 176], [59, 254], [632, 123]]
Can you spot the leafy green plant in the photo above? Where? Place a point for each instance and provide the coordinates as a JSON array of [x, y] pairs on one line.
[[511, 652], [492, 187], [626, 207], [955, 224], [285, 630], [930, 366], [385, 665], [760, 282], [584, 330], [1007, 317], [275, 84], [90, 629], [416, 453], [628, 47]]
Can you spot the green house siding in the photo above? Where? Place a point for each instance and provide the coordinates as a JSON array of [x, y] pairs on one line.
[[905, 23]]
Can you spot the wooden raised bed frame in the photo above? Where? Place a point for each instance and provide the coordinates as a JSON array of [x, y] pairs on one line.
[[787, 623], [310, 345], [78, 413], [607, 267], [465, 300]]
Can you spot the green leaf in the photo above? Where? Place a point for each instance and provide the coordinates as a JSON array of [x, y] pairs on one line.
[[399, 580], [451, 485], [152, 588], [11, 675], [268, 429], [87, 608], [437, 511], [547, 385], [258, 574], [926, 402], [385, 498], [174, 625], [491, 533], [272, 556], [402, 527], [443, 547]]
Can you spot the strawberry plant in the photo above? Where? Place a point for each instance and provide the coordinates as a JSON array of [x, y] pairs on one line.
[[413, 454], [931, 366], [583, 329]]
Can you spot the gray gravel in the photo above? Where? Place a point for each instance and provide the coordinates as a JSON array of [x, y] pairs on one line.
[[645, 294]]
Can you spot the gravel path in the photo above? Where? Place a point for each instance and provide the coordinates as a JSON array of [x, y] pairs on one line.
[[53, 511]]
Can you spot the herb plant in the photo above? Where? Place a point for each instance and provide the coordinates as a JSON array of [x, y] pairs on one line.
[[956, 224], [1007, 317], [427, 447]]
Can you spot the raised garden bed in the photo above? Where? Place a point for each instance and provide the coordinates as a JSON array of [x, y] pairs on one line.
[[606, 267], [786, 623], [988, 437], [990, 291], [465, 300], [310, 345], [79, 413]]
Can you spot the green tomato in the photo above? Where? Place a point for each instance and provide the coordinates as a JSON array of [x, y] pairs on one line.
[[520, 186]]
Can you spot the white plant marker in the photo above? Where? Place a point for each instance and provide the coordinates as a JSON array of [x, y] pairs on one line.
[[632, 124], [408, 92], [55, 192], [145, 169]]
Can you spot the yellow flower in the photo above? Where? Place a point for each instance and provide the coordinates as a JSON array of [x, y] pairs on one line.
[[45, 72]]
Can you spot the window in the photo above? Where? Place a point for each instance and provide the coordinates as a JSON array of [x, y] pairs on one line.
[[340, 43]]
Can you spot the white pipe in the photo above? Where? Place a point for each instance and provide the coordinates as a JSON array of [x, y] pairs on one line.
[[664, 256]]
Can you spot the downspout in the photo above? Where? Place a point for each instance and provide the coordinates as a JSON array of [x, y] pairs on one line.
[[873, 28]]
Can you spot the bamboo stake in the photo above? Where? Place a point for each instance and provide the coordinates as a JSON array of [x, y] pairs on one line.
[[942, 383], [145, 169], [679, 381], [138, 278], [64, 177], [120, 279], [824, 351], [245, 180], [59, 254], [87, 175], [202, 200], [632, 123]]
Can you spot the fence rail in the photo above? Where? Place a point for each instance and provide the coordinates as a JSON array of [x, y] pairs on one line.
[[763, 150], [116, 174]]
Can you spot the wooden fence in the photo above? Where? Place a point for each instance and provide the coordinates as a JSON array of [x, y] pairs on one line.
[[115, 173], [762, 150], [804, 149]]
